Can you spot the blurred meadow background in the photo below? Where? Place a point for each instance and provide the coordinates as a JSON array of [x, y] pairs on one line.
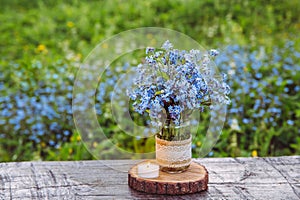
[[43, 43]]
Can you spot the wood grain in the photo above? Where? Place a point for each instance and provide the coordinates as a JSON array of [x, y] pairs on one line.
[[193, 180], [229, 178]]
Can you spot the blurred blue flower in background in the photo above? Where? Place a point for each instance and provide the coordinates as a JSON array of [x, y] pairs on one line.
[[264, 93]]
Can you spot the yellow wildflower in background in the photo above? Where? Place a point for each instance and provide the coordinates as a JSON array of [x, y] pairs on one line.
[[105, 46], [70, 150], [95, 144], [43, 144], [254, 153], [198, 143], [79, 56], [149, 36], [41, 49], [70, 24]]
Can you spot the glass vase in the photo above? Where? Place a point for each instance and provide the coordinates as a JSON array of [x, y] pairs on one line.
[[174, 148]]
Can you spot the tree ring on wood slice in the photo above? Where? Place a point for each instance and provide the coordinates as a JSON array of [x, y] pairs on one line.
[[193, 180]]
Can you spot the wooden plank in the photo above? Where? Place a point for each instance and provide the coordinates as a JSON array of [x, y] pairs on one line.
[[229, 178]]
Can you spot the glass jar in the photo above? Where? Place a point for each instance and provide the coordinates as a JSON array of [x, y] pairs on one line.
[[174, 147]]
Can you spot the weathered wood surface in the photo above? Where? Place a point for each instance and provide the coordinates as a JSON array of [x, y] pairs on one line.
[[229, 178], [193, 180]]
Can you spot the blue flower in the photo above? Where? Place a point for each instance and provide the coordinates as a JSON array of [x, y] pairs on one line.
[[171, 79], [290, 122], [167, 45], [149, 50], [213, 52], [174, 112]]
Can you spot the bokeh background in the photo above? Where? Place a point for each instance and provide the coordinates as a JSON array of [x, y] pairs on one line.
[[43, 43]]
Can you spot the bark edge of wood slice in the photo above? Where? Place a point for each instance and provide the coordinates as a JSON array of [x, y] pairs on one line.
[[193, 180]]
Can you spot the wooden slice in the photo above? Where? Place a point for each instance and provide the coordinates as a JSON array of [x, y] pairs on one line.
[[193, 180]]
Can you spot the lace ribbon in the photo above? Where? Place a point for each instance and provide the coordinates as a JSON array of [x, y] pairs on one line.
[[173, 153]]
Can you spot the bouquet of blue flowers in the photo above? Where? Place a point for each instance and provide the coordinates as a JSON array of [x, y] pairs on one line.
[[171, 83]]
